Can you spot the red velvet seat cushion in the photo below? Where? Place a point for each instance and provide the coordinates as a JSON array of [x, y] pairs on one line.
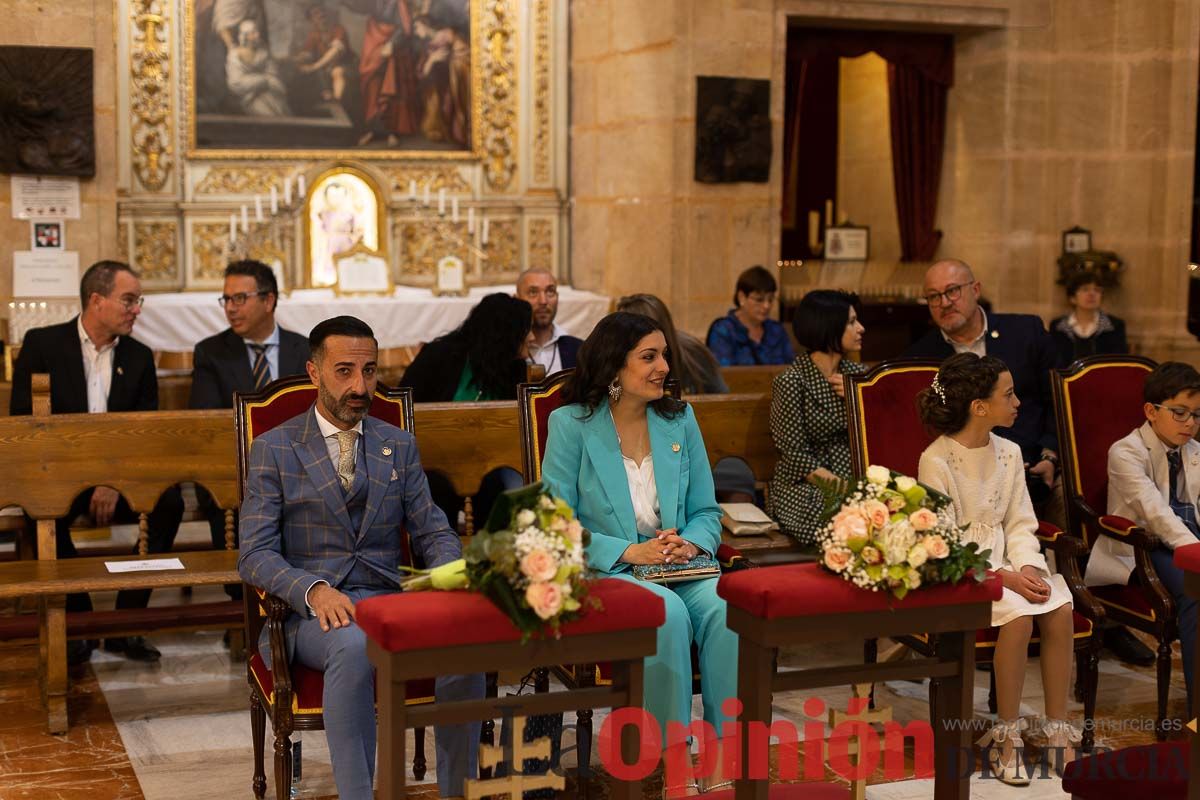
[[805, 590], [308, 687], [1188, 557], [794, 791], [1127, 598], [1158, 770], [424, 620]]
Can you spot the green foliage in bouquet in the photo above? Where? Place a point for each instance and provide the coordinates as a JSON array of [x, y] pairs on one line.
[[887, 532]]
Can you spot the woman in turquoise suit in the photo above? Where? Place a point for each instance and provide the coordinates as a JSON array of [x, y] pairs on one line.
[[631, 462]]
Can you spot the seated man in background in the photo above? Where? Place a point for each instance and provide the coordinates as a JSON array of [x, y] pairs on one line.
[[245, 357], [96, 366], [327, 497], [551, 347]]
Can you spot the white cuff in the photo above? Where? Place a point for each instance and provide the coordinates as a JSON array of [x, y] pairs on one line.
[[312, 613]]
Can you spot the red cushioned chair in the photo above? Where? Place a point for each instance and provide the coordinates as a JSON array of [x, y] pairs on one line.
[[1087, 427], [535, 403], [290, 694], [885, 428], [1155, 770]]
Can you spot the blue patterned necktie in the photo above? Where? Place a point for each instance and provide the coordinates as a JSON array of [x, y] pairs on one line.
[[1183, 509], [262, 368]]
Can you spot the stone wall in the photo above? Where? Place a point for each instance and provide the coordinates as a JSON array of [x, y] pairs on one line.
[[70, 23], [1063, 112]]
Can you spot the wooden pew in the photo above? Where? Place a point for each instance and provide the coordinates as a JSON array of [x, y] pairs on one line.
[[751, 380], [46, 461]]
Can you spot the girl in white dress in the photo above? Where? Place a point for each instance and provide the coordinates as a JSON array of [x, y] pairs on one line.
[[984, 475]]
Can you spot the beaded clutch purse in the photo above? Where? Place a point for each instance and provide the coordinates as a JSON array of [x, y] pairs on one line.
[[698, 567]]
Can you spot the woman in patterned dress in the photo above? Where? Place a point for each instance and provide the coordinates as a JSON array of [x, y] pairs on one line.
[[808, 412]]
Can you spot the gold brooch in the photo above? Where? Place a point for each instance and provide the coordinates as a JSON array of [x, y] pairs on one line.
[[674, 447], [387, 451]]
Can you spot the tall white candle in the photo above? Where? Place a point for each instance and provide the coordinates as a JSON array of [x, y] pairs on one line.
[[470, 220], [454, 209], [258, 217], [485, 230], [442, 200], [287, 191], [232, 228], [425, 199], [274, 200], [245, 220], [301, 186], [412, 189]]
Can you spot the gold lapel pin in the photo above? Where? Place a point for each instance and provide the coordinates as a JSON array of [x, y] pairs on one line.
[[387, 451], [995, 334], [674, 447], [120, 371]]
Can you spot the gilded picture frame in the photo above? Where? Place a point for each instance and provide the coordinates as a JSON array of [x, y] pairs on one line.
[[252, 95], [335, 221]]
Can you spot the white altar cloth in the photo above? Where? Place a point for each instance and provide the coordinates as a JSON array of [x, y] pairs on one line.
[[176, 322]]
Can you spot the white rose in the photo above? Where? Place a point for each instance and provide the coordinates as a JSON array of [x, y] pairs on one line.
[[878, 475], [904, 483], [917, 556], [525, 518]]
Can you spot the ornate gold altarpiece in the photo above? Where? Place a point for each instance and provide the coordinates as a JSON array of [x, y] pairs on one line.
[[175, 199]]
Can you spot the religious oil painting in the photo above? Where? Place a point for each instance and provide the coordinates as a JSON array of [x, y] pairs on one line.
[[343, 78], [733, 130], [343, 209], [46, 116]]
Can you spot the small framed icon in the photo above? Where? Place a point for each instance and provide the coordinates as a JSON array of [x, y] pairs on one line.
[[1077, 240], [847, 243], [47, 235]]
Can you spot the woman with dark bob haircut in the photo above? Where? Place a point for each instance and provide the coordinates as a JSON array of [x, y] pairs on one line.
[[808, 415], [631, 462], [747, 335], [984, 476]]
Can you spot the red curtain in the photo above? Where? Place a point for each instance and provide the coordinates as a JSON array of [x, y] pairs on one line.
[[920, 74]]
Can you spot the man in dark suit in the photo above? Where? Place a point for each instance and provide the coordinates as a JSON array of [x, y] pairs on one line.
[[552, 347], [245, 357], [1021, 342], [230, 361], [95, 366], [328, 495]]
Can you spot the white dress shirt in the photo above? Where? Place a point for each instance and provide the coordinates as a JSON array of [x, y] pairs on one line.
[[547, 354], [97, 369], [643, 491]]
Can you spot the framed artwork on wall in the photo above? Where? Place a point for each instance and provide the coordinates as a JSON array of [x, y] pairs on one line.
[[344, 207], [1077, 240], [733, 130], [847, 243], [332, 78]]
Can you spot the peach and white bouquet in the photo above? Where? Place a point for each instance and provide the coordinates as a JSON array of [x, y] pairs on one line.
[[529, 560], [889, 533]]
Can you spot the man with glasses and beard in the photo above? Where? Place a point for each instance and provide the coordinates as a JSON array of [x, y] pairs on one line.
[[95, 366], [1023, 344], [245, 357], [327, 496]]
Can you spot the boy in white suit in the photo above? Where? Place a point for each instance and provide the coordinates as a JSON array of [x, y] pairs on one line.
[[1154, 481]]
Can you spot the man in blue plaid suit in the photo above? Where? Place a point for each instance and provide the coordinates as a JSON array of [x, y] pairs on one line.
[[327, 495]]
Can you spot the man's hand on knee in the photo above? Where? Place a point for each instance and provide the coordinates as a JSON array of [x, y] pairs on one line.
[[333, 609]]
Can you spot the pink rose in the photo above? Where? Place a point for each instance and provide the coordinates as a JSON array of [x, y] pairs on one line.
[[848, 524], [871, 555], [838, 558], [574, 531], [546, 599], [935, 546], [539, 566], [923, 519], [877, 513]]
